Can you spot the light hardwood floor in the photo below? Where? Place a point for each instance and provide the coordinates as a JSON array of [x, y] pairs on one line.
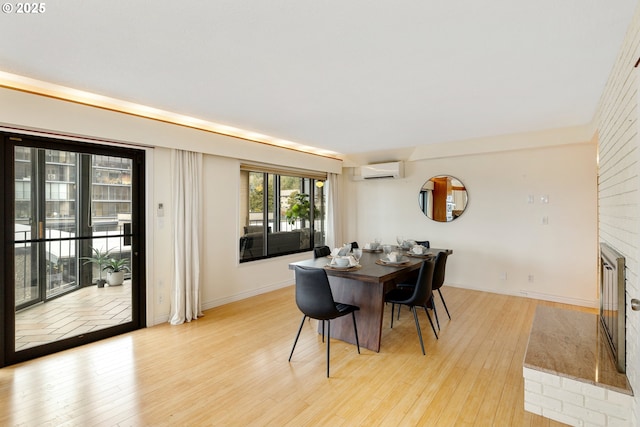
[[230, 368]]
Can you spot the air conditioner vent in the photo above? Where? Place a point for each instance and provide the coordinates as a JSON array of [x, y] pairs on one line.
[[382, 170]]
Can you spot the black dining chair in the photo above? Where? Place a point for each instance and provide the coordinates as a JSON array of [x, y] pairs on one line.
[[354, 245], [416, 296], [315, 299], [321, 251], [438, 281]]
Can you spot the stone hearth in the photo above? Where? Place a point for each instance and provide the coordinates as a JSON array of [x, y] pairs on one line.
[[569, 372]]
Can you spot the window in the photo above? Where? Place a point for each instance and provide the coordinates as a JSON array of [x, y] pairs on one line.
[[283, 212]]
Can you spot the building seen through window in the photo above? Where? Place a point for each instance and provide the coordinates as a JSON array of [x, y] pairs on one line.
[[49, 185]]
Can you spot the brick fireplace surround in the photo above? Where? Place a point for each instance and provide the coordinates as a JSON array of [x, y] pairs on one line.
[[569, 373]]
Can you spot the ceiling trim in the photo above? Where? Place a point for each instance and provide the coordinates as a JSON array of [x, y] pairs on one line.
[[52, 90]]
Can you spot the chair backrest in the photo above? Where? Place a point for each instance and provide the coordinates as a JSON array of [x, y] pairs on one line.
[[354, 245], [424, 243], [321, 251], [422, 290], [313, 293], [439, 269]]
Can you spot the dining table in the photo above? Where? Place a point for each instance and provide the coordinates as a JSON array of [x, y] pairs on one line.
[[365, 286]]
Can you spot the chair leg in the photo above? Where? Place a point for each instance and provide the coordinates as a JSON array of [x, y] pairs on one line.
[[328, 344], [399, 307], [297, 336], [415, 316], [430, 321], [393, 306], [444, 303], [435, 312], [322, 330], [355, 329]]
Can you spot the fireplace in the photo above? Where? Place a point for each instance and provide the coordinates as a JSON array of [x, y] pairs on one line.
[[613, 302]]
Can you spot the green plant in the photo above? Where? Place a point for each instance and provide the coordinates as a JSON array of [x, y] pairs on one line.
[[115, 265], [299, 208], [100, 258]]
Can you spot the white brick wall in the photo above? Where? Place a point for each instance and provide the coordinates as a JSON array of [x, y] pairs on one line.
[[619, 184], [573, 402]]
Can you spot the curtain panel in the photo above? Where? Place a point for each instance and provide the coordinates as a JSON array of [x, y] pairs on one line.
[[186, 170], [334, 225]]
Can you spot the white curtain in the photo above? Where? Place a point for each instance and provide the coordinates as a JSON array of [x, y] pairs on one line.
[[334, 202], [186, 171]]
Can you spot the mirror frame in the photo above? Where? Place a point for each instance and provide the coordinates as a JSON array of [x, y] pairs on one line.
[[439, 195]]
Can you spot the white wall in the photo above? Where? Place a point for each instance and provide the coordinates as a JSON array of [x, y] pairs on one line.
[[619, 184], [500, 232]]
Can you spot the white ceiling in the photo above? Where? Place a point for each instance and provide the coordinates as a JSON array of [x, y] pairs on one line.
[[350, 76]]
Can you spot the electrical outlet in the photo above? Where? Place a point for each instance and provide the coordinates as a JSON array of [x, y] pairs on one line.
[[530, 278], [160, 299]]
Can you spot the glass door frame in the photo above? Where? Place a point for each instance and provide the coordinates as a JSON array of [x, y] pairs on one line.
[[8, 355]]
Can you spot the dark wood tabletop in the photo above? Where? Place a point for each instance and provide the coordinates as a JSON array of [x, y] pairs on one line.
[[369, 270]]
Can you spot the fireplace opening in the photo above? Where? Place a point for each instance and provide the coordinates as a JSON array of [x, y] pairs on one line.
[[613, 303]]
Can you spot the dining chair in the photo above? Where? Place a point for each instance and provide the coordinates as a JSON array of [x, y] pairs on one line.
[[315, 299], [431, 304], [321, 251], [354, 245], [424, 243], [438, 281], [416, 296]]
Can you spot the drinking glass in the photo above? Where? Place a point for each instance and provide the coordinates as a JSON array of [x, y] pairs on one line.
[[346, 248], [357, 254], [400, 240]]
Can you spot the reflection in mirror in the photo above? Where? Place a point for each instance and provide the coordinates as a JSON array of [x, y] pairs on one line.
[[443, 198]]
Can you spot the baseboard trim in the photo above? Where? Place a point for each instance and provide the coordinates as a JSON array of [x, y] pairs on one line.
[[206, 305], [536, 295]]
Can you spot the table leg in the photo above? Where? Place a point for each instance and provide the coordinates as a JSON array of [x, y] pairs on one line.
[[370, 298]]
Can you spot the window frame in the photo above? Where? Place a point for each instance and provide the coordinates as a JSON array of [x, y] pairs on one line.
[[273, 221]]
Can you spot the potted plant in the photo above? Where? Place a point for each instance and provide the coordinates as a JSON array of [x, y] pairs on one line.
[[299, 208], [115, 271], [100, 258]]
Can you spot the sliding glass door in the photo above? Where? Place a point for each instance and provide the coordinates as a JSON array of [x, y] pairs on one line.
[[73, 244]]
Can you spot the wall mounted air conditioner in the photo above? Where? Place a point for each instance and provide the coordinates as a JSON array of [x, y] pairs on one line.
[[382, 170]]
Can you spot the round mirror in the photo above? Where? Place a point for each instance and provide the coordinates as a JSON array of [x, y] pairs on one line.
[[443, 198]]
